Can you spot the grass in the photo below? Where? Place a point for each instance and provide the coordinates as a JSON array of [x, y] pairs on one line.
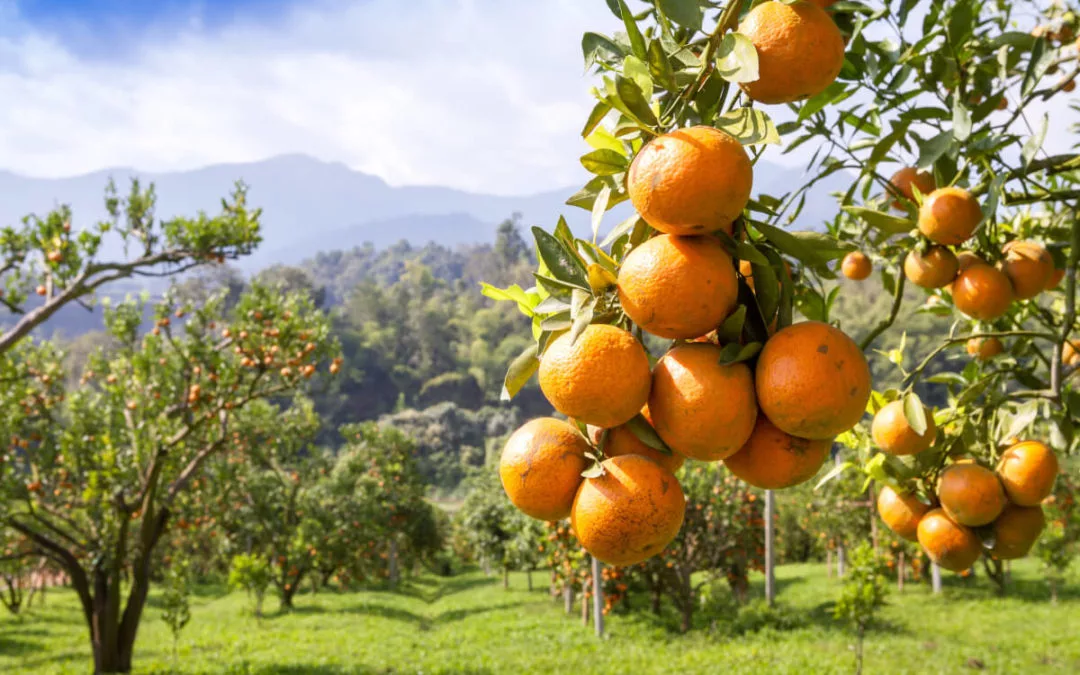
[[469, 625]]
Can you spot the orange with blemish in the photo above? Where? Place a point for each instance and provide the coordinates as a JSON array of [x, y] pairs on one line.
[[948, 543], [1027, 472], [901, 512], [540, 467], [772, 459], [971, 494]]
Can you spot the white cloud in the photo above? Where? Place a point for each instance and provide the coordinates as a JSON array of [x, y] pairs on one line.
[[486, 95]]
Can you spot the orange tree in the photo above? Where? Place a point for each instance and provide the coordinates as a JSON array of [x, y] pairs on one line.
[[959, 95], [93, 471], [47, 263]]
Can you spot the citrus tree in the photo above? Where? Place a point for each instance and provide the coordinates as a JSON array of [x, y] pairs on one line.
[[47, 262], [95, 470]]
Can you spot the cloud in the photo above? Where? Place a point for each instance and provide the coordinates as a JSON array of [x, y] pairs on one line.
[[486, 95]]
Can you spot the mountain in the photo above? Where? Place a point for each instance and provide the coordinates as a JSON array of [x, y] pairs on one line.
[[311, 206]]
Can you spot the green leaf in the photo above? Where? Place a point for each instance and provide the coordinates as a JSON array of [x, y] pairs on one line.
[[931, 151], [520, 371], [790, 244], [636, 69], [619, 230], [599, 111], [961, 128], [1038, 63], [602, 139], [645, 433], [737, 59], [834, 473], [660, 66], [557, 289], [766, 290], [885, 222], [637, 42], [551, 305], [598, 48], [683, 12], [582, 308], [604, 162], [915, 413], [599, 208], [736, 353], [631, 96], [732, 328], [564, 265], [747, 251], [585, 198], [1033, 144], [750, 126]]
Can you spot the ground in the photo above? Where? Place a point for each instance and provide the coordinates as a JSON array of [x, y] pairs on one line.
[[469, 625]]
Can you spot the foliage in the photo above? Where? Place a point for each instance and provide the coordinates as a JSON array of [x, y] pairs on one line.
[[1060, 543], [252, 574], [176, 608], [863, 593]]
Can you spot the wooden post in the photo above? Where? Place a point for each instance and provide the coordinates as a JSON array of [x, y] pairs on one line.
[[770, 571], [828, 563], [598, 598], [935, 577], [900, 573], [840, 561], [568, 597]]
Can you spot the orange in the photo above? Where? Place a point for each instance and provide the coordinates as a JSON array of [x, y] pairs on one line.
[[703, 410], [691, 181], [856, 266], [901, 512], [622, 441], [541, 467], [982, 292], [985, 349], [1029, 267], [901, 182], [772, 460], [678, 287], [894, 435], [800, 51], [967, 259], [812, 380], [971, 494], [824, 4], [949, 216], [630, 513], [1027, 472], [1055, 279], [934, 269], [1016, 530], [1070, 352], [949, 544], [602, 379]]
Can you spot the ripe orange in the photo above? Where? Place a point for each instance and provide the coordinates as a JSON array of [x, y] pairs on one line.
[[824, 4], [982, 292], [949, 216], [1029, 267], [949, 544], [800, 51], [691, 181], [703, 410], [812, 380], [856, 266], [541, 467], [901, 512], [630, 513], [602, 379], [894, 435], [1016, 530], [1027, 471], [1070, 352], [985, 349], [971, 494], [772, 459], [901, 182], [1055, 279], [678, 287], [968, 259], [934, 269], [622, 441]]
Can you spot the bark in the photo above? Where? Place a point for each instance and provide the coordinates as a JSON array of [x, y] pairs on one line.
[[656, 601], [528, 577], [900, 573], [770, 553], [598, 598], [686, 603], [568, 598], [1053, 590], [828, 563], [584, 611], [840, 561], [393, 561], [506, 578]]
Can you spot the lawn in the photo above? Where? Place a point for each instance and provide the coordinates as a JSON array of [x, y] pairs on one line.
[[469, 624]]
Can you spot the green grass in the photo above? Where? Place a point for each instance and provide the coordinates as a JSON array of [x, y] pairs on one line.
[[469, 624]]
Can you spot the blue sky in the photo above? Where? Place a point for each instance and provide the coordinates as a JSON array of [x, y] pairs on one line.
[[483, 95]]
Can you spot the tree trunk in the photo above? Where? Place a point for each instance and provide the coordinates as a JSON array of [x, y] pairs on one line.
[[528, 578], [568, 597], [506, 578], [871, 502], [393, 562], [656, 600], [860, 634], [828, 563], [840, 561], [900, 573], [935, 578], [687, 603], [996, 572], [1053, 590], [770, 553], [584, 610], [598, 598]]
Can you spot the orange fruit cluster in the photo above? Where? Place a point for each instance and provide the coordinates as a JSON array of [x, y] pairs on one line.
[[972, 504], [949, 217], [772, 422]]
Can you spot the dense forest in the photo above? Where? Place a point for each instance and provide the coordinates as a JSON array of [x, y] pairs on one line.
[[426, 351]]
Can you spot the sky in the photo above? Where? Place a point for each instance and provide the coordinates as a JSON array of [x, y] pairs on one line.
[[482, 95]]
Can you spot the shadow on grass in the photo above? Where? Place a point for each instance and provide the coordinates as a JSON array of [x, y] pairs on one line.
[[11, 645], [302, 669], [443, 587]]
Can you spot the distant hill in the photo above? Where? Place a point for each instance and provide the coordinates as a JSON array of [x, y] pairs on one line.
[[311, 206]]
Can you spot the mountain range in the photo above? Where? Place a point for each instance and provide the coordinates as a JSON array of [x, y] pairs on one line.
[[310, 205]]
